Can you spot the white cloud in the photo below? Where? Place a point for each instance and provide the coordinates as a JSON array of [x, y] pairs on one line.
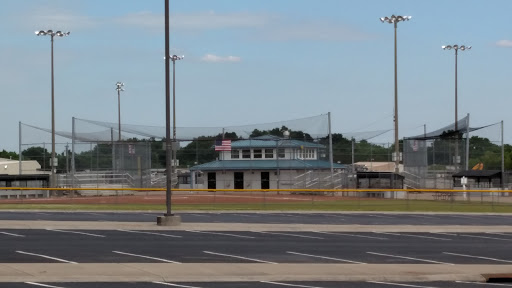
[[216, 59], [504, 43], [43, 18], [264, 26], [314, 31], [144, 19], [194, 21]]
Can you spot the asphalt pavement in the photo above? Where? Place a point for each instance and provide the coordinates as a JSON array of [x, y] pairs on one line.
[[245, 249]]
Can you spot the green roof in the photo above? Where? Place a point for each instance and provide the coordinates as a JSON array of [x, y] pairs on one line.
[[265, 165], [273, 143]]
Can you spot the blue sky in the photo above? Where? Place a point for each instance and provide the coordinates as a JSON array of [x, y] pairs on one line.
[[256, 62]]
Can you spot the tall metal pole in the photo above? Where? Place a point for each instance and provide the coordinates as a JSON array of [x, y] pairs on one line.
[[52, 162], [168, 193], [331, 156], [397, 145], [456, 118], [119, 88], [53, 159], [394, 19], [173, 115], [456, 48], [456, 103]]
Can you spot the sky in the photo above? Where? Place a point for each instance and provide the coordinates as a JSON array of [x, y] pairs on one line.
[[252, 62]]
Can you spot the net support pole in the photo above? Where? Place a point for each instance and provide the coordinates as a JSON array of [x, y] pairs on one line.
[[353, 157], [73, 167], [331, 158], [466, 166], [113, 150], [19, 148], [502, 158]]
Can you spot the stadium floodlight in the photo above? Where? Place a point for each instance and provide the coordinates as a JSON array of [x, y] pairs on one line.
[[174, 58], [456, 48], [53, 158], [119, 88], [394, 19]]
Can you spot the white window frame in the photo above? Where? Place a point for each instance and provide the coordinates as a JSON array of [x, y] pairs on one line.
[[257, 155]]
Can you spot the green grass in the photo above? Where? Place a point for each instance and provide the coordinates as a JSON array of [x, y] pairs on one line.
[[391, 205]]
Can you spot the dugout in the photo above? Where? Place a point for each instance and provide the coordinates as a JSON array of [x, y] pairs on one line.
[[24, 180], [479, 178], [379, 180]]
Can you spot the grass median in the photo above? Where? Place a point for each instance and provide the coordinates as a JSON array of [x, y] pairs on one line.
[[388, 205]]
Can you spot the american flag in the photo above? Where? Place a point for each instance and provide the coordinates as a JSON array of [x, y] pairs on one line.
[[222, 145]]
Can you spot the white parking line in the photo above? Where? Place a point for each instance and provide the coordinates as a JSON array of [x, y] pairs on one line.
[[286, 284], [323, 257], [175, 285], [479, 257], [148, 257], [243, 215], [381, 216], [240, 257], [351, 235], [459, 216], [95, 214], [74, 232], [44, 256], [410, 258], [340, 217], [291, 215], [442, 233], [484, 237], [399, 284], [150, 233], [288, 234], [43, 285], [496, 233], [409, 235], [493, 284], [218, 233], [12, 234], [197, 215], [421, 216]]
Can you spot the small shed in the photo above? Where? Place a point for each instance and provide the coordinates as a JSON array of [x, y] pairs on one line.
[[479, 178]]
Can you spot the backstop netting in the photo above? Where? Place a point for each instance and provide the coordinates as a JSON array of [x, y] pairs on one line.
[[135, 156], [432, 158]]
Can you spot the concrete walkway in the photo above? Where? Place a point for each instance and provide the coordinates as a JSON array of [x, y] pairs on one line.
[[145, 272], [104, 225]]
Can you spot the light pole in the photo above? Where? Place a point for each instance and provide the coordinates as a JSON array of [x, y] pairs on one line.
[[53, 160], [394, 20], [174, 58], [119, 88], [168, 219], [456, 48]]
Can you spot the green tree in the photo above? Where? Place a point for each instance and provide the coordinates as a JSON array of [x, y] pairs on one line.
[[39, 154], [9, 155]]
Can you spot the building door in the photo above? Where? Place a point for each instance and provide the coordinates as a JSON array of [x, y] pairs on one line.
[[212, 180], [265, 180], [239, 180]]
